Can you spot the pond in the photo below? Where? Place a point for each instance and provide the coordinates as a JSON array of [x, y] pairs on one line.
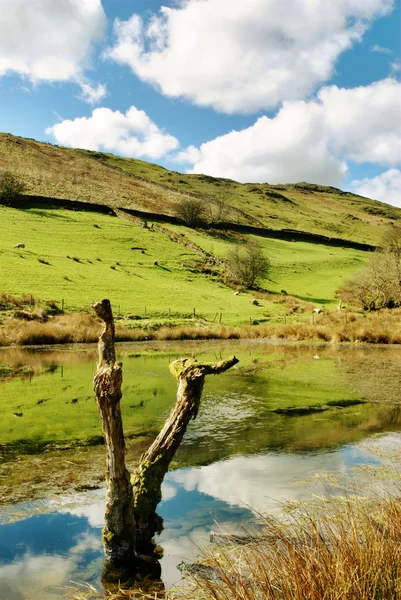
[[265, 433]]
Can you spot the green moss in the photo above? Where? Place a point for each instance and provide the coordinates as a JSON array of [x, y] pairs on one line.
[[107, 535]]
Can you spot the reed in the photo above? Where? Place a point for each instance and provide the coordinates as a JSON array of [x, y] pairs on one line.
[[382, 327], [351, 551], [342, 549]]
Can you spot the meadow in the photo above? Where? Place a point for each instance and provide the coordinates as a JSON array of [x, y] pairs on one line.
[[74, 258]]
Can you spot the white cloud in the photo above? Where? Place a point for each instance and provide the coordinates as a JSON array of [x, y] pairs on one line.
[[242, 56], [93, 94], [364, 122], [310, 141], [132, 134], [386, 187], [378, 48], [50, 40]]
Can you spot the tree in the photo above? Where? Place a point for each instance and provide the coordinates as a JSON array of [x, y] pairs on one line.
[[191, 211], [11, 187], [378, 285], [247, 263], [218, 211]]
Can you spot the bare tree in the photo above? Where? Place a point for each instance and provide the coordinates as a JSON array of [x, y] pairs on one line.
[[378, 284], [11, 187], [218, 211], [192, 211], [392, 241], [247, 263]]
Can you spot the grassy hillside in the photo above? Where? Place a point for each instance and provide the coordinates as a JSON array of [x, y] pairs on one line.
[[158, 274], [80, 257], [120, 182]]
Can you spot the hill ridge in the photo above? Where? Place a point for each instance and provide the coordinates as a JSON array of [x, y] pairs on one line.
[[101, 178]]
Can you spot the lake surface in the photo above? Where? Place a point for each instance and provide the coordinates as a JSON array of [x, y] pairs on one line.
[[238, 457]]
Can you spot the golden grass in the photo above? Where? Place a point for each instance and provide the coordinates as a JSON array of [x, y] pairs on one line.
[[382, 327], [352, 551]]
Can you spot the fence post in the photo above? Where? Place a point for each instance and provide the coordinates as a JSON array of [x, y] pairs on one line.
[[62, 305], [221, 316]]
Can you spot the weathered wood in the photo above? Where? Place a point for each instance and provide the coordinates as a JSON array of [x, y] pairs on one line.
[[119, 531], [148, 477]]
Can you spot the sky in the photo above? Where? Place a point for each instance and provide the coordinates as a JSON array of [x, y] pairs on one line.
[[276, 91]]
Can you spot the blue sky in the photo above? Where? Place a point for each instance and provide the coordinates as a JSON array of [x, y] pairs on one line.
[[273, 91]]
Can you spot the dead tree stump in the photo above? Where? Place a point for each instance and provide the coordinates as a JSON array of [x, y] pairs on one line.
[[148, 477], [119, 531]]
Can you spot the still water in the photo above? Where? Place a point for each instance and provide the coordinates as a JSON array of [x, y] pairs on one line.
[[238, 458]]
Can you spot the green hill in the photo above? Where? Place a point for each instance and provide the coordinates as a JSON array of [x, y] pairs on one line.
[[102, 178], [167, 272]]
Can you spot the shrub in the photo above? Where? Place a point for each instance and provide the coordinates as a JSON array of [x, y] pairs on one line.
[[247, 263], [191, 211], [11, 187]]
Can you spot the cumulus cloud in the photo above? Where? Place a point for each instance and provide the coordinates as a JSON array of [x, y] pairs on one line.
[[309, 141], [132, 134], [386, 187], [242, 56], [49, 40]]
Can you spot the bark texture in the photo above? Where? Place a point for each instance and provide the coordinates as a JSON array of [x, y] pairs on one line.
[[119, 531], [154, 463]]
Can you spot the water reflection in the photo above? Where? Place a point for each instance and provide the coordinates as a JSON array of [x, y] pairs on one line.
[[238, 457], [47, 550]]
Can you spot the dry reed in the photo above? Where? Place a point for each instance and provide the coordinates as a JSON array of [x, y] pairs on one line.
[[382, 327], [351, 552]]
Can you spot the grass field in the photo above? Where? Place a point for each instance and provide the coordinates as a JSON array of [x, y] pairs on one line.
[[81, 257]]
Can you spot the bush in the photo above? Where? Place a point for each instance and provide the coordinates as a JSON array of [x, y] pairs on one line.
[[246, 263], [11, 187], [191, 211], [378, 284]]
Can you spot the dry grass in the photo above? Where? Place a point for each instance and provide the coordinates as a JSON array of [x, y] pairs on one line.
[[352, 551], [382, 327], [8, 302]]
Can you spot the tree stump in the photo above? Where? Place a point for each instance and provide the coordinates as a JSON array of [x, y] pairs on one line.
[[131, 520], [119, 531], [148, 477]]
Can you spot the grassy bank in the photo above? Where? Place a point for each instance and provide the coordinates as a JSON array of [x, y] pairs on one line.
[[382, 327]]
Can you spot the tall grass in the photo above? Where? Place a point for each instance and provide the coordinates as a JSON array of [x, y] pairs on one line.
[[383, 327], [352, 551]]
